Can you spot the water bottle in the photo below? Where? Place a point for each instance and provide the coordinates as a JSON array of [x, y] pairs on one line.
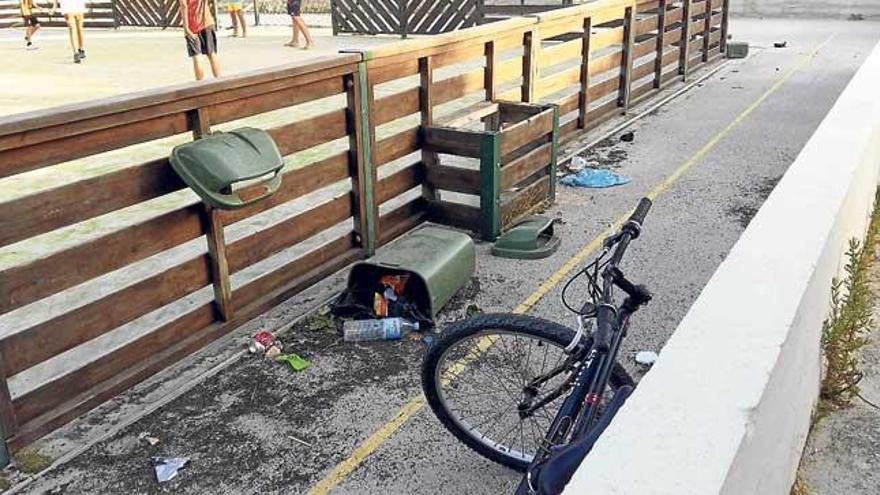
[[384, 329]]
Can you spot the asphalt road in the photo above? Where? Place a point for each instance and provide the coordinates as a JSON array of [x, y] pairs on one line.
[[241, 427]]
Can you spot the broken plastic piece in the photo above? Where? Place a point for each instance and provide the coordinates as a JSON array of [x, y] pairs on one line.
[[646, 357], [297, 362], [628, 137], [167, 467], [595, 178]]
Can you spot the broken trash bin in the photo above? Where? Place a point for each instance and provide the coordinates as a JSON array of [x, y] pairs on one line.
[[230, 170], [437, 262]]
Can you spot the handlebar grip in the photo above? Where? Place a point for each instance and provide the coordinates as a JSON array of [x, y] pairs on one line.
[[641, 212]]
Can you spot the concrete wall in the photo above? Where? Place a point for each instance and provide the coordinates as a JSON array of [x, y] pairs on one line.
[[727, 407], [805, 8]]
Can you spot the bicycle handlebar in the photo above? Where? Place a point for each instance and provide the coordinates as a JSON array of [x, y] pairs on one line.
[[641, 212]]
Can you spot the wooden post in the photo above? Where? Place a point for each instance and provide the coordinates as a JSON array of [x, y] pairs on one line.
[[212, 224], [359, 153], [584, 95], [661, 43], [426, 109], [725, 12], [490, 186], [707, 31], [530, 65], [684, 43], [361, 144], [491, 63], [404, 20], [554, 151], [8, 419], [627, 59]]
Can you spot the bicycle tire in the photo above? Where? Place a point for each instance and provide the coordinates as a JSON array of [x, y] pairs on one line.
[[507, 323]]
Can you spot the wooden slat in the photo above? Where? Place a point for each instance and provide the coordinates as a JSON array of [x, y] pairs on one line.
[[672, 36], [457, 86], [606, 38], [508, 70], [78, 201], [259, 246], [399, 182], [525, 166], [453, 141], [605, 63], [643, 89], [395, 106], [297, 183], [568, 103], [525, 201], [19, 160], [604, 88], [386, 73], [558, 81], [27, 348], [523, 133], [282, 98], [643, 48], [561, 52], [299, 273], [302, 135], [674, 15], [597, 113], [46, 276], [646, 25], [454, 214], [643, 70], [400, 220], [455, 179], [396, 146]]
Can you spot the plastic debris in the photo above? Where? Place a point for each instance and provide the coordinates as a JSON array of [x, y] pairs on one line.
[[780, 44], [384, 329], [578, 163], [646, 358], [428, 340], [628, 137], [273, 352], [297, 362], [147, 437], [262, 341], [167, 467], [595, 177]]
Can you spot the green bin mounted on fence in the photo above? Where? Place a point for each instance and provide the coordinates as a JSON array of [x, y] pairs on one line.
[[225, 168], [439, 261]]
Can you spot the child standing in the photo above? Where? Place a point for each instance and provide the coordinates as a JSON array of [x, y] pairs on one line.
[[32, 24], [236, 13], [74, 12], [201, 38]]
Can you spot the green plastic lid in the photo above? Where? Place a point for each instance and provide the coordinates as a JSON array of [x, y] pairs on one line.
[[532, 238], [213, 165]]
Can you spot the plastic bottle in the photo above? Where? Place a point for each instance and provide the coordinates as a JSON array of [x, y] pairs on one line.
[[384, 329]]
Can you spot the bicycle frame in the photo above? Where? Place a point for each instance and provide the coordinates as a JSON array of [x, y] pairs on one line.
[[577, 414]]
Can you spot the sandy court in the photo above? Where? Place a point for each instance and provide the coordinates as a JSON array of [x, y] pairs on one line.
[[128, 60]]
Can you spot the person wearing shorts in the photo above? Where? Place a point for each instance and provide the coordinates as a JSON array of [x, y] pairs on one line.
[[236, 13], [74, 12], [294, 10], [201, 38], [32, 24]]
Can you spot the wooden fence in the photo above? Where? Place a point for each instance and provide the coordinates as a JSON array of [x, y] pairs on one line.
[[351, 124], [403, 17]]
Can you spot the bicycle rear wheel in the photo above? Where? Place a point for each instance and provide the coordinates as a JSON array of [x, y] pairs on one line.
[[474, 375]]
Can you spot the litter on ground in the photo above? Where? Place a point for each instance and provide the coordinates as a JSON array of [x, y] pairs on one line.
[[167, 467], [595, 178]]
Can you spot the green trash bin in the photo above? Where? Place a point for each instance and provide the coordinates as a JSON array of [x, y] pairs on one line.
[[222, 167], [439, 261]]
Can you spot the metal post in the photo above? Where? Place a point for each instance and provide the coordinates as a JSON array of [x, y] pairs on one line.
[[684, 43], [490, 186], [361, 145], [661, 44]]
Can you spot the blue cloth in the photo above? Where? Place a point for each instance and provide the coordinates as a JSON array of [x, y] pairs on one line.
[[594, 177]]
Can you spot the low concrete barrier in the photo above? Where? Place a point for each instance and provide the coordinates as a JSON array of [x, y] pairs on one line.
[[700, 424], [805, 8]]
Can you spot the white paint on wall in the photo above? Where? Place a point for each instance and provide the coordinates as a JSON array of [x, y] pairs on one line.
[[698, 425]]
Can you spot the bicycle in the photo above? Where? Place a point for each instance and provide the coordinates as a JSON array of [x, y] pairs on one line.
[[579, 367]]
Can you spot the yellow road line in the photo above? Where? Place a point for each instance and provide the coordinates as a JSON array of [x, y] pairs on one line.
[[415, 404]]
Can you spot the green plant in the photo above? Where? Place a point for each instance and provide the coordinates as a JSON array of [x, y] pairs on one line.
[[845, 331], [32, 461]]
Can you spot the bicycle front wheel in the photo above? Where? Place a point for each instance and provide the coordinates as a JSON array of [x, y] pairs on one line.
[[475, 374]]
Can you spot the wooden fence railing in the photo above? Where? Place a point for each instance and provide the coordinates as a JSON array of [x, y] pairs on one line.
[[143, 274]]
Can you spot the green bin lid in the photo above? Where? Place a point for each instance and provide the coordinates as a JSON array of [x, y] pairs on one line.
[[532, 238], [211, 166]]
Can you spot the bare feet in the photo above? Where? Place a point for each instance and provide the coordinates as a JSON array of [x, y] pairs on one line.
[[308, 46], [292, 44]]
